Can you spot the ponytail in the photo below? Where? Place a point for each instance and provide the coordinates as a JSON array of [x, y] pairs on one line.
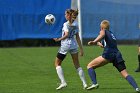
[[75, 14]]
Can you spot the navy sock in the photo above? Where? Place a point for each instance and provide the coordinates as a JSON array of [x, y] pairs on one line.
[[92, 75], [131, 81]]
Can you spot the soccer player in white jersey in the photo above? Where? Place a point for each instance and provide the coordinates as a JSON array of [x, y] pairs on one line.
[[69, 43]]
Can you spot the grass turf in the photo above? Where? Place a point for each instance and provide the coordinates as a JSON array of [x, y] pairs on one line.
[[31, 70]]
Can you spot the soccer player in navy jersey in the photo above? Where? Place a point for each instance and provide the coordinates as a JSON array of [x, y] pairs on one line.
[[138, 69], [110, 54], [70, 41]]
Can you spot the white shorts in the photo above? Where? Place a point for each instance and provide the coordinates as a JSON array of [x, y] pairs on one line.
[[65, 50]]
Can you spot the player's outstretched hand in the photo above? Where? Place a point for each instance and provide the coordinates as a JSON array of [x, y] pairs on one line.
[[56, 39], [100, 44], [91, 43]]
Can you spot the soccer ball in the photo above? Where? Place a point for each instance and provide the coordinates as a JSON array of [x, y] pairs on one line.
[[50, 19]]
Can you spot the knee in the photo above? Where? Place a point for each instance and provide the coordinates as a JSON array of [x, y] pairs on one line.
[[90, 66], [76, 64], [57, 62], [124, 73]]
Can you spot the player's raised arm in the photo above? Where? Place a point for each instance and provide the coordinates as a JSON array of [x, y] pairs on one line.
[[98, 38]]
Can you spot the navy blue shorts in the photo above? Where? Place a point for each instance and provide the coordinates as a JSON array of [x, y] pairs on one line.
[[115, 57], [120, 66]]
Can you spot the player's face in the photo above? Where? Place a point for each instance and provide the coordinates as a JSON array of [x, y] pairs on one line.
[[67, 16], [102, 26]]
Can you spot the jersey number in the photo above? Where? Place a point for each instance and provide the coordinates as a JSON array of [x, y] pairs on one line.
[[113, 36]]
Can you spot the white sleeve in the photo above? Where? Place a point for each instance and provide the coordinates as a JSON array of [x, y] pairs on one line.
[[65, 28]]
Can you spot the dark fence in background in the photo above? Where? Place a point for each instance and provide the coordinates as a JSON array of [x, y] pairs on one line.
[[49, 42], [28, 43]]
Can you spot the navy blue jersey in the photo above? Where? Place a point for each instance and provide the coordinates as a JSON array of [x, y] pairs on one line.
[[110, 40], [111, 51]]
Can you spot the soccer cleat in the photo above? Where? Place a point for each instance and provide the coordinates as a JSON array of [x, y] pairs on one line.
[[85, 86], [93, 86], [62, 85], [138, 90]]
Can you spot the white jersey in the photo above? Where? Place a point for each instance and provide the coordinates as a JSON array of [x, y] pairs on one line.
[[70, 42]]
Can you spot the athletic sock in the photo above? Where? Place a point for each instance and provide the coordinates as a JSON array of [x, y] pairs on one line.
[[131, 81], [81, 75], [92, 75], [60, 74]]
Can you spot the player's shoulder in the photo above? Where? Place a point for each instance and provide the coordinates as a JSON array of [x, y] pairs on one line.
[[66, 23]]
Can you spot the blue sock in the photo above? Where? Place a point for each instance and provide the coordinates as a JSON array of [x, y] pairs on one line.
[[131, 81], [92, 75]]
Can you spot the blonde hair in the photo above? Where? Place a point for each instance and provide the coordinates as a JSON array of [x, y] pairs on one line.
[[105, 24]]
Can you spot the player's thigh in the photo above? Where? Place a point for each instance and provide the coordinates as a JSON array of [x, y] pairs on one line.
[[97, 62], [58, 62], [75, 60], [59, 58]]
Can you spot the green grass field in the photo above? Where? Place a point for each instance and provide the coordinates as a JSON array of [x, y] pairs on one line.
[[31, 70]]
